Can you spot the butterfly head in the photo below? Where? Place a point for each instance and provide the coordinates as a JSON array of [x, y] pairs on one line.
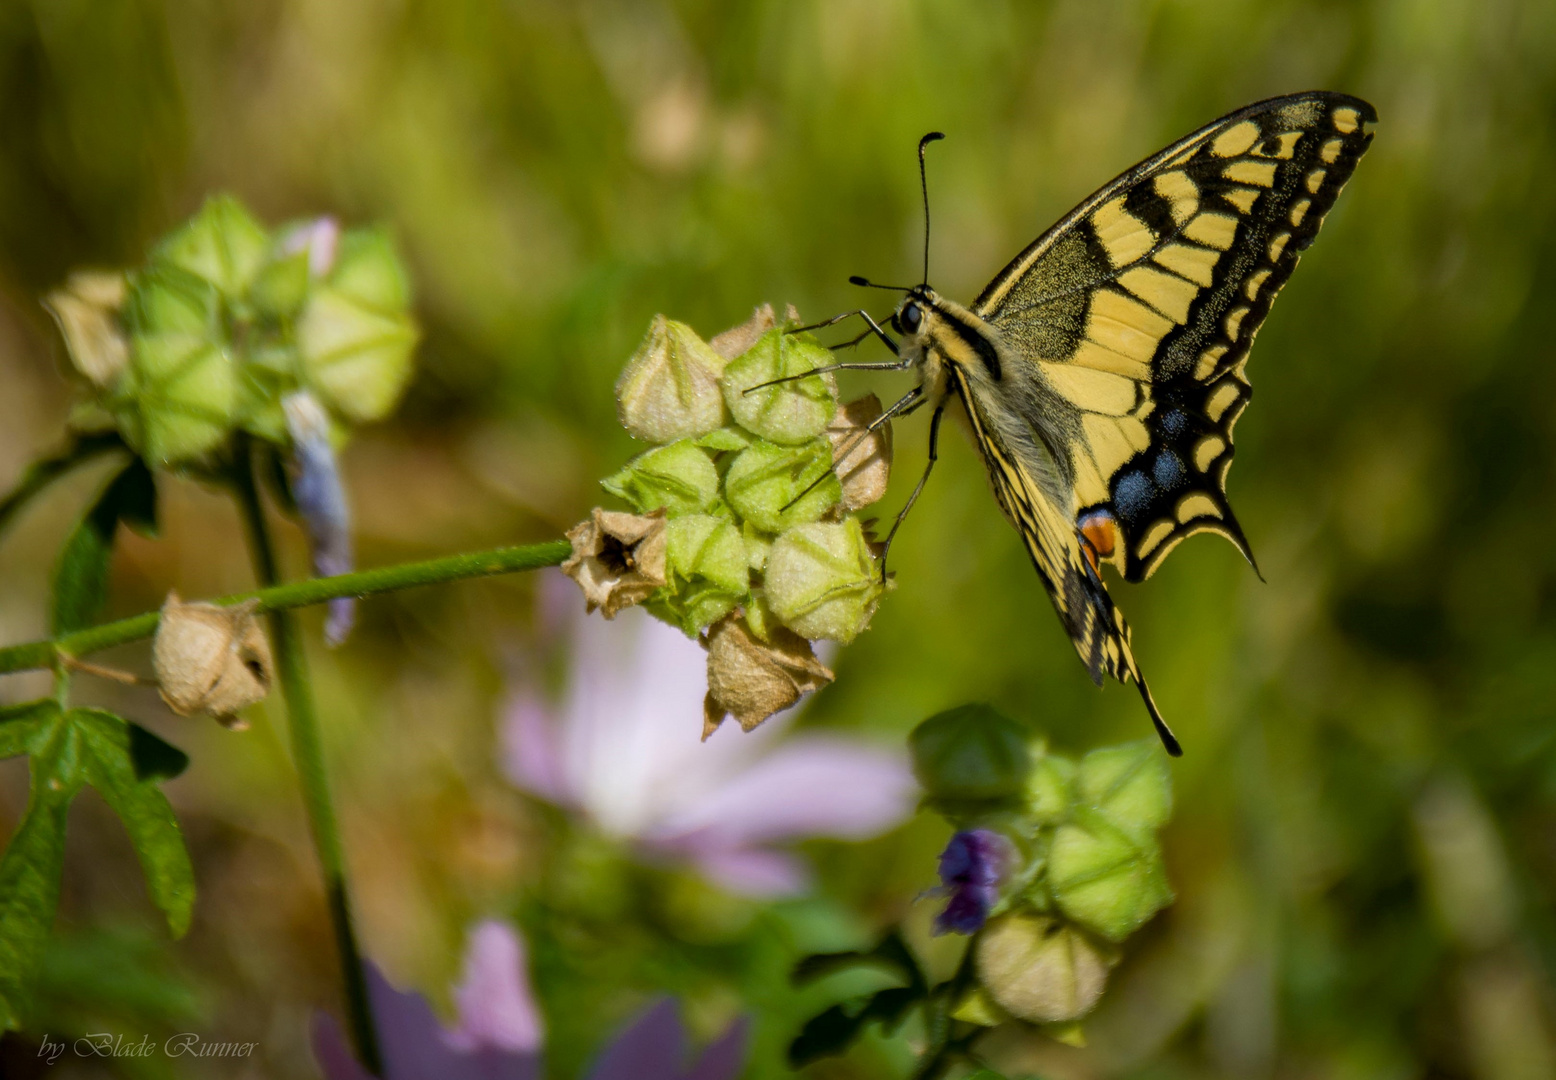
[[914, 316]]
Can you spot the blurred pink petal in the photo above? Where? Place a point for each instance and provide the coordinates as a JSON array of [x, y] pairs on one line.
[[812, 785], [413, 1045], [651, 1048], [335, 1059], [725, 1056], [624, 748], [753, 872], [496, 1007], [531, 756]]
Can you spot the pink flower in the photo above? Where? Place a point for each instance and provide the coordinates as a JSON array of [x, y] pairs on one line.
[[498, 1035], [623, 748]]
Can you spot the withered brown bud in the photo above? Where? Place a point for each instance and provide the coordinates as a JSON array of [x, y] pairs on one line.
[[213, 659], [753, 679], [87, 311], [1041, 969], [737, 339], [618, 558], [862, 461]]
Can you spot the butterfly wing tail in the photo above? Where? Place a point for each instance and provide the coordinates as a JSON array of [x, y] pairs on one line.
[[1101, 638]]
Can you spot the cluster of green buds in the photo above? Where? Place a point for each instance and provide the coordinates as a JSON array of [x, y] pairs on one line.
[[742, 528], [226, 320], [1054, 862], [292, 336]]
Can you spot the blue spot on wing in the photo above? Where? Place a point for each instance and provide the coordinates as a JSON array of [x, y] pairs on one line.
[[1168, 470], [1132, 494]]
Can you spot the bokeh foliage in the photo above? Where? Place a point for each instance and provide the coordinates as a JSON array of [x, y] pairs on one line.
[[1362, 847]]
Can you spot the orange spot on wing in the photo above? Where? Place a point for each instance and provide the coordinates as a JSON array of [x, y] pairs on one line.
[[1100, 531]]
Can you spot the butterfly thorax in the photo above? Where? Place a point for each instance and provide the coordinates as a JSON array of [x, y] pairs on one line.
[[960, 353]]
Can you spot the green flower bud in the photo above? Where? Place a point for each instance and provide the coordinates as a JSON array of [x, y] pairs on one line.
[[1049, 789], [304, 252], [670, 388], [759, 545], [281, 287], [1103, 878], [708, 574], [355, 336], [679, 477], [766, 484], [1041, 969], [222, 244], [788, 412], [821, 580], [181, 399], [165, 299], [1130, 784], [970, 753], [724, 438]]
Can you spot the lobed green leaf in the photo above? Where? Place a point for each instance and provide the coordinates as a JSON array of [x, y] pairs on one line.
[[109, 746], [81, 576]]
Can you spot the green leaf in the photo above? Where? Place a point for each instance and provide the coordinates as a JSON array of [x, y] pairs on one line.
[[111, 767], [43, 472], [891, 954], [153, 758], [81, 577], [20, 725], [832, 1031], [30, 869]]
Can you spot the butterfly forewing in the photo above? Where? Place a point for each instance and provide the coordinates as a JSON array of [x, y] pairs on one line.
[[1138, 310]]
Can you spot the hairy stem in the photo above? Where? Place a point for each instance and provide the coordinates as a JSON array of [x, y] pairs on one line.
[[504, 560], [308, 755]]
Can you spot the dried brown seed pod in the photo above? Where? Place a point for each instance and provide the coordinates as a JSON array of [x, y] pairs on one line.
[[862, 460], [753, 679], [87, 311], [618, 558], [213, 659]]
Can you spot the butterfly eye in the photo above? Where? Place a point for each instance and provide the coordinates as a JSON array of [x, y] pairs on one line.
[[910, 318]]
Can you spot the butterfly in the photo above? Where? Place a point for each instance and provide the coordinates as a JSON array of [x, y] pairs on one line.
[[1102, 370]]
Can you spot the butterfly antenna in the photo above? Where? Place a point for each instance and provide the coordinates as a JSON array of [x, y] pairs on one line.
[[923, 180], [864, 282]]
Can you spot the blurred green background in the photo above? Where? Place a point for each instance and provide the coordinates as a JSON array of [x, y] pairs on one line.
[[1365, 844]]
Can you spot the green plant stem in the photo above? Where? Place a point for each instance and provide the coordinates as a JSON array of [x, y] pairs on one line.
[[504, 560], [312, 774]]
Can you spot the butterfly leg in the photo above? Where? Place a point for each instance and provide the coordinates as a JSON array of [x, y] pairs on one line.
[[902, 407], [934, 453], [875, 329], [888, 365]]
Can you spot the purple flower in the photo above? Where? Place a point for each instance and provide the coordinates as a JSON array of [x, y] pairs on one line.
[[623, 748], [653, 1047], [971, 868], [498, 1035], [321, 499]]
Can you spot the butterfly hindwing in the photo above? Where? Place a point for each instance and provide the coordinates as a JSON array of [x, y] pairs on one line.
[[1140, 306]]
